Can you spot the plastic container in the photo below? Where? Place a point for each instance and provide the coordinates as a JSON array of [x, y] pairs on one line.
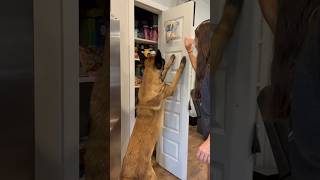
[[151, 33], [136, 32], [146, 32], [155, 33]]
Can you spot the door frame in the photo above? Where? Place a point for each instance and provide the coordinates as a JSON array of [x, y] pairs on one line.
[[241, 106], [56, 69], [128, 70]]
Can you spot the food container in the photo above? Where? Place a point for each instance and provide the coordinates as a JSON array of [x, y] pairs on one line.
[[155, 33], [136, 32], [151, 34], [146, 32]]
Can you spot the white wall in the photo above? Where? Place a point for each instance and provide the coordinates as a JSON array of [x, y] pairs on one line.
[[117, 5], [202, 10]]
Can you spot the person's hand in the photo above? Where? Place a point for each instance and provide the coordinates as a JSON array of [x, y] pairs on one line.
[[188, 41], [203, 153]]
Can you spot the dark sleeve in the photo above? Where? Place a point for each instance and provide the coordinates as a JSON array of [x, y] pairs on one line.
[[305, 108]]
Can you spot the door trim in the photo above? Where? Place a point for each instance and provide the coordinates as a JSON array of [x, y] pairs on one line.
[[56, 68], [127, 67]]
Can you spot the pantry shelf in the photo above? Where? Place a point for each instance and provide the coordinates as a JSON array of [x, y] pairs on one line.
[[87, 79], [145, 41]]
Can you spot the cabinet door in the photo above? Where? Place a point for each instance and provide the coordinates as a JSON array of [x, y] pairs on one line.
[[172, 148]]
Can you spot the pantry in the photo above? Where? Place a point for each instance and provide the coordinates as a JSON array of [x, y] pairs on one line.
[[146, 41]]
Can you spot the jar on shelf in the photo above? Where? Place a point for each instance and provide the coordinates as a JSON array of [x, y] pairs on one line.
[[146, 31], [136, 31], [155, 33], [140, 33], [151, 33]]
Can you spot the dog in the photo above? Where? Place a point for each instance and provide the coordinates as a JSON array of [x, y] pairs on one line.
[[153, 92]]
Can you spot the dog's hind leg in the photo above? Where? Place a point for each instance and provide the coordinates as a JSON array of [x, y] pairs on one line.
[[170, 89], [150, 174], [167, 66]]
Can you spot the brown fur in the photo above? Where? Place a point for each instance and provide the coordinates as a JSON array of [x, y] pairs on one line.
[[96, 155], [137, 163]]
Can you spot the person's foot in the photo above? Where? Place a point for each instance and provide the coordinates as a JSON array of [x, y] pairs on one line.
[[203, 153]]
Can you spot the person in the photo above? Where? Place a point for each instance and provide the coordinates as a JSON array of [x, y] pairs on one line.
[[296, 83], [201, 65]]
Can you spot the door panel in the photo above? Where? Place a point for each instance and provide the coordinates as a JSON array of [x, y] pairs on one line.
[[234, 98], [17, 90], [172, 149]]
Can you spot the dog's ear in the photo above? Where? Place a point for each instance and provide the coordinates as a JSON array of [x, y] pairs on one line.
[[159, 62], [158, 53]]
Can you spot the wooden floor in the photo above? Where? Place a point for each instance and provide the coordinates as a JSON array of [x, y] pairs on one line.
[[196, 170]]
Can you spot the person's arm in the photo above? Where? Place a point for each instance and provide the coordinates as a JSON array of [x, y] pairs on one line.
[[224, 31], [193, 60], [269, 10], [188, 44]]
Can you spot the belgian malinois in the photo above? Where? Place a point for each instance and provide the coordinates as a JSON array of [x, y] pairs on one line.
[[150, 115]]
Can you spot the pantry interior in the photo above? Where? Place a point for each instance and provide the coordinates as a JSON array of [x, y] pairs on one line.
[[92, 34], [146, 41]]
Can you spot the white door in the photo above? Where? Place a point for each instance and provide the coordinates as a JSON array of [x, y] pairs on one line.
[[172, 148], [235, 97]]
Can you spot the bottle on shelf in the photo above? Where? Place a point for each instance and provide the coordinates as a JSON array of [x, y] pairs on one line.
[[136, 28], [155, 33], [146, 31], [150, 33]]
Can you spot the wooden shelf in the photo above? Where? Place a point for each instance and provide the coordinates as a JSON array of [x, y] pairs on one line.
[[87, 79], [145, 41], [137, 87]]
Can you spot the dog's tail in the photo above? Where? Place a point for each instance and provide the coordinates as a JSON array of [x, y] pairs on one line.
[[224, 30]]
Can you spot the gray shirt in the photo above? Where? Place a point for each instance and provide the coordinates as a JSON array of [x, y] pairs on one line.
[[203, 125], [304, 149]]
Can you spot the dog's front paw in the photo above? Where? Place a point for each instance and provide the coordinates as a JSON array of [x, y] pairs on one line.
[[183, 61], [171, 60]]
